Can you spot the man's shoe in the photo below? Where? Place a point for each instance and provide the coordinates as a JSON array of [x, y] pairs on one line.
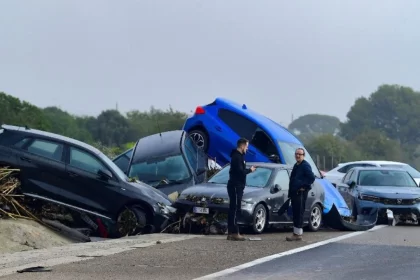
[[294, 237], [235, 237]]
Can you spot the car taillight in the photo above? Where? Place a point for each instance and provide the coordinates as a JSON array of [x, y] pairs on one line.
[[199, 110]]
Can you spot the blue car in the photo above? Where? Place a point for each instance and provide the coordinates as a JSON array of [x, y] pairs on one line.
[[217, 126], [370, 189]]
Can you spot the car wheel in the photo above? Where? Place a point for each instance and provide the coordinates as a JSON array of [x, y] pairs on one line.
[[315, 218], [259, 219], [200, 138], [131, 221]]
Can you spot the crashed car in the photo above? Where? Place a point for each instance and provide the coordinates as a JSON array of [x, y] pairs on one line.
[[266, 193], [70, 173], [169, 161], [217, 126], [368, 189]]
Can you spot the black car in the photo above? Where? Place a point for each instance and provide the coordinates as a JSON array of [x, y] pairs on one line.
[[65, 171], [265, 193], [169, 161]]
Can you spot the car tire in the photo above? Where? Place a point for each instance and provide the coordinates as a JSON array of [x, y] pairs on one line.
[[132, 220], [259, 219], [200, 139], [315, 218]]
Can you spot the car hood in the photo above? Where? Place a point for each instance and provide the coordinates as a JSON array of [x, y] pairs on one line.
[[216, 191], [391, 192], [153, 194]]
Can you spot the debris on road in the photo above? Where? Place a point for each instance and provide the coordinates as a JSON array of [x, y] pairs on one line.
[[35, 269]]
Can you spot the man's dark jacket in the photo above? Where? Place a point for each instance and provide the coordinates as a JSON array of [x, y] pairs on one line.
[[238, 170], [301, 177]]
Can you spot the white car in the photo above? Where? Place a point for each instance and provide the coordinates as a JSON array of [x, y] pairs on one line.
[[335, 175]]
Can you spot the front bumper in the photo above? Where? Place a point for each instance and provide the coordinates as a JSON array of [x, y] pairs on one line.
[[245, 218], [405, 212]]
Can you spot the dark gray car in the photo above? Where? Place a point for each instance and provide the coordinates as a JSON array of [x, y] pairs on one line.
[[265, 193]]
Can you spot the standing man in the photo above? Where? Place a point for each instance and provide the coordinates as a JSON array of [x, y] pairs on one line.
[[300, 183], [236, 186]]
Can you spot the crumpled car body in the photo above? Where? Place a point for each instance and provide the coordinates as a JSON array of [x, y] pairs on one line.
[[217, 126]]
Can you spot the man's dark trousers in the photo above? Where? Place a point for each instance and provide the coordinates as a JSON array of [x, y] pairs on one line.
[[235, 197], [298, 207]]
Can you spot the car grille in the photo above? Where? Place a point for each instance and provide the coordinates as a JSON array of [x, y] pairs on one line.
[[388, 201], [202, 198]]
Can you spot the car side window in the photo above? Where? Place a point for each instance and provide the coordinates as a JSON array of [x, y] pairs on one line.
[[282, 179], [122, 163], [263, 143], [47, 149], [21, 143], [85, 161], [347, 176], [353, 176], [239, 124]]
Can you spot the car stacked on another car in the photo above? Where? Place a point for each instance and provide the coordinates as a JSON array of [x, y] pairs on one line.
[[367, 189], [266, 192], [335, 175], [68, 172], [169, 161]]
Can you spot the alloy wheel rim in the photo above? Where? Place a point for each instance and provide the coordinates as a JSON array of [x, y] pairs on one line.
[[260, 219], [316, 217], [127, 222], [198, 139]]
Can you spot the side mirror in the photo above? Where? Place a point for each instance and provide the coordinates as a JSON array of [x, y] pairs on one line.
[[275, 189], [274, 158], [350, 183], [201, 171], [104, 174]]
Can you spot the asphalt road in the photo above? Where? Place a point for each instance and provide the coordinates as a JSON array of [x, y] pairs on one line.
[[387, 252]]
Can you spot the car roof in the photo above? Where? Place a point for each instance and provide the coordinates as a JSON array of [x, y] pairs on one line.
[[37, 132], [268, 165], [377, 168], [277, 131], [371, 162], [159, 144]]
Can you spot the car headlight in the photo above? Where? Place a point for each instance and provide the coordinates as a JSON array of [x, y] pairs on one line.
[[369, 197], [417, 200], [182, 196], [166, 209]]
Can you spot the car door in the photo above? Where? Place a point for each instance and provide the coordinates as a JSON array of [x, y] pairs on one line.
[[42, 168], [88, 190], [242, 127], [196, 158], [264, 145], [345, 189], [278, 199]]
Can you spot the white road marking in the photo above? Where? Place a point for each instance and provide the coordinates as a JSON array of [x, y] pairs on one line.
[[10, 263], [279, 255]]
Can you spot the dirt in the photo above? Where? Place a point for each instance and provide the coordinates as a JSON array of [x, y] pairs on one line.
[[23, 235]]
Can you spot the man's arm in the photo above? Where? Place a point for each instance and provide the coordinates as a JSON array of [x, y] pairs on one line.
[[309, 176], [237, 165]]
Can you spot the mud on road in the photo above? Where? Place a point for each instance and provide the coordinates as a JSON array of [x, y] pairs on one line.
[[185, 259]]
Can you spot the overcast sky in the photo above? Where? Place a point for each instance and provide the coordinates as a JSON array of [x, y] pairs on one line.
[[279, 57]]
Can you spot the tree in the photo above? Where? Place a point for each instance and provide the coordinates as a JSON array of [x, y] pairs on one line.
[[21, 113], [315, 124], [111, 128], [392, 110]]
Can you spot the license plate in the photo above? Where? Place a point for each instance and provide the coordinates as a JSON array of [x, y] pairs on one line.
[[201, 210]]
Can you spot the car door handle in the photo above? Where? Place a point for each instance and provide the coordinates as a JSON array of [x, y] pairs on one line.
[[25, 159], [218, 128], [72, 174], [312, 194]]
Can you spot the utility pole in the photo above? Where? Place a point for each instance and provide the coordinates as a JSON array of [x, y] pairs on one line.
[[116, 106]]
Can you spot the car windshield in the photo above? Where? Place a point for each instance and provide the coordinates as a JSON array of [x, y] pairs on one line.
[[171, 168], [412, 171], [259, 178], [113, 166], [378, 178], [288, 151]]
